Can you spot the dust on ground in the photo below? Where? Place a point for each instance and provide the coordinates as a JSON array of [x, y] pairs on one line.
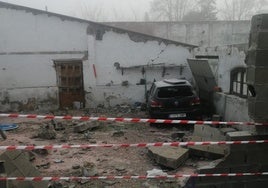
[[103, 161]]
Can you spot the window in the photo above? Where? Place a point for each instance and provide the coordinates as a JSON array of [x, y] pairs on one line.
[[238, 82], [170, 92]]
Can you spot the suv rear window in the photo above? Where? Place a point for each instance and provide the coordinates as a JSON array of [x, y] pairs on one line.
[[174, 91]]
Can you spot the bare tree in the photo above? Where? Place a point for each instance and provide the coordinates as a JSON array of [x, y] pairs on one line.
[[171, 10], [91, 12], [241, 9], [207, 11]]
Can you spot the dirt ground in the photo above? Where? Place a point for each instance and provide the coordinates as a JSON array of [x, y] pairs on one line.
[[103, 161]]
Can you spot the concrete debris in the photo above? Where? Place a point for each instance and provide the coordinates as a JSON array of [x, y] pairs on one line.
[[31, 156], [177, 135], [46, 132], [109, 182], [44, 165], [239, 135], [17, 164], [82, 182], [156, 172], [120, 168], [3, 184], [72, 186], [118, 134], [208, 133], [209, 151], [3, 134], [58, 161], [89, 169], [84, 126], [171, 157], [226, 130], [58, 126], [55, 185], [64, 152], [40, 151], [76, 166]]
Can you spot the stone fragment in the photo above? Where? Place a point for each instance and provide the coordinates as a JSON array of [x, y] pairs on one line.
[[64, 152], [177, 135], [17, 164], [58, 161], [41, 151], [109, 182], [58, 126], [239, 135], [76, 166], [118, 134], [89, 169], [156, 172], [46, 132], [171, 157], [84, 126], [208, 151]]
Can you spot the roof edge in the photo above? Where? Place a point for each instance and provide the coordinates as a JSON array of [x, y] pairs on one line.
[[38, 11]]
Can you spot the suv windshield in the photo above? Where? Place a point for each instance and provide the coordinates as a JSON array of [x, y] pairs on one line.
[[174, 91]]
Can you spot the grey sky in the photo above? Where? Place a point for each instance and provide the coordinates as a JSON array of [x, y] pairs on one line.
[[121, 9], [101, 10]]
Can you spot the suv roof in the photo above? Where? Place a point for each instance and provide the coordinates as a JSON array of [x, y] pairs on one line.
[[172, 82]]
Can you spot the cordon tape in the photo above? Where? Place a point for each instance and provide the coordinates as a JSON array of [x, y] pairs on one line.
[[135, 120], [158, 144], [130, 177]]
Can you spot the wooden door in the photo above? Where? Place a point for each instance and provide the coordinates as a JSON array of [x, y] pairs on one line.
[[70, 83]]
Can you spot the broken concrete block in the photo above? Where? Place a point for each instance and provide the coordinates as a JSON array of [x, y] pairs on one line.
[[118, 134], [226, 130], [58, 126], [177, 135], [208, 132], [156, 172], [208, 151], [46, 132], [3, 184], [239, 135], [17, 164], [171, 157], [3, 134], [84, 126]]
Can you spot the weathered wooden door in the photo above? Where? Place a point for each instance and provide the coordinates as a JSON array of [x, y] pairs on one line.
[[70, 83]]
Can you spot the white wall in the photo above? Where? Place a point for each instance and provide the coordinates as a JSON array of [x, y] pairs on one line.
[[28, 45], [229, 58], [30, 42], [233, 108], [118, 47], [23, 31]]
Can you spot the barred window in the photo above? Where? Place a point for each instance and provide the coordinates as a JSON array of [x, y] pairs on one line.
[[238, 84]]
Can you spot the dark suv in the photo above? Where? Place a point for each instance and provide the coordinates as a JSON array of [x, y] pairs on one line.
[[173, 99]]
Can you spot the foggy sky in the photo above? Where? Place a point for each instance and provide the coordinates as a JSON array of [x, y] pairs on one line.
[[121, 9], [102, 10]]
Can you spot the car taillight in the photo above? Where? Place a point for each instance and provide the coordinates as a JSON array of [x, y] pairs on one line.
[[195, 101], [155, 104]]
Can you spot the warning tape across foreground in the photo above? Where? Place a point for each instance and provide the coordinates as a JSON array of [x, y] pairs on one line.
[[135, 120], [157, 144], [129, 177]]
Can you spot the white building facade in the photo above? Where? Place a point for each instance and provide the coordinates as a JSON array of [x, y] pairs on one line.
[[49, 61]]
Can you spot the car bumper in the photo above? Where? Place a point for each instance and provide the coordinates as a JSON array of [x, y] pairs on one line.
[[194, 114]]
